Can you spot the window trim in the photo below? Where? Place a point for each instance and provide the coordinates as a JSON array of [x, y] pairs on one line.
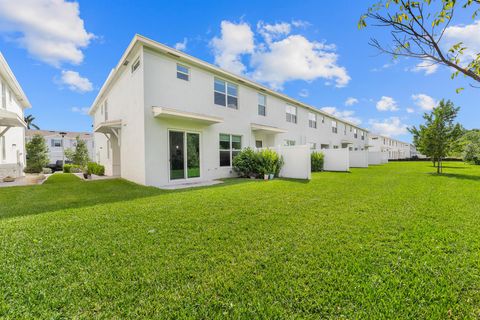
[[293, 117], [259, 105], [334, 127], [135, 65], [187, 74], [226, 93], [312, 123], [231, 150]]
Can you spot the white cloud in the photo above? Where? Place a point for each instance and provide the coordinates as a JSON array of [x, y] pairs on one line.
[[388, 127], [83, 110], [278, 56], [347, 115], [50, 30], [387, 104], [235, 41], [351, 101], [304, 93], [296, 58], [182, 46], [75, 82], [468, 34], [410, 110], [425, 102], [426, 66]]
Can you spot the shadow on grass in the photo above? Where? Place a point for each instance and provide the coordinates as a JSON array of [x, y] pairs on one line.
[[66, 191], [457, 176]]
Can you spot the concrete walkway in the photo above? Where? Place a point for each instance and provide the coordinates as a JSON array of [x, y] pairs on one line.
[[191, 185], [27, 180]]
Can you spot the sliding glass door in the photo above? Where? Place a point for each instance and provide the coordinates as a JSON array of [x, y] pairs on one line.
[[184, 155]]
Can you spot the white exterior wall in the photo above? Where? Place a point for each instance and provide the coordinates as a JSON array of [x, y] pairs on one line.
[[396, 149], [125, 102], [13, 161], [144, 138], [163, 89]]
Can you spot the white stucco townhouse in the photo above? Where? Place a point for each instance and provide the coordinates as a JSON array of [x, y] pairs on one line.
[[163, 117], [396, 149], [12, 126]]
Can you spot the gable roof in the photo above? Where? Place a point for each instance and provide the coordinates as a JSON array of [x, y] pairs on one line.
[[139, 40], [7, 74]]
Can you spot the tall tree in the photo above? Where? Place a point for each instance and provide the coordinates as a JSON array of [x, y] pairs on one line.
[[29, 121], [37, 154], [439, 136], [79, 155], [417, 29]]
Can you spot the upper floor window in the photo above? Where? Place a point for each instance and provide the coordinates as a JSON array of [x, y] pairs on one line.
[[355, 135], [291, 113], [10, 96], [183, 72], [56, 143], [289, 142], [323, 119], [226, 94], [345, 129], [334, 126], [105, 104], [312, 120], [363, 135], [262, 104], [135, 65]]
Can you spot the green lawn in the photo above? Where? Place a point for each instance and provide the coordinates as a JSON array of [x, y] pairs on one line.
[[391, 241]]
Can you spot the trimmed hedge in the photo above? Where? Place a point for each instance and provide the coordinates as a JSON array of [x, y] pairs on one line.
[[95, 168], [250, 163], [317, 159], [72, 168]]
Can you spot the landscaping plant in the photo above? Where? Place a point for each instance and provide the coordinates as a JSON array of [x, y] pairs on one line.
[[37, 154], [257, 163], [316, 159]]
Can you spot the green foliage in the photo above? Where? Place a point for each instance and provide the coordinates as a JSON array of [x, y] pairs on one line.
[[470, 145], [257, 163], [245, 163], [95, 168], [317, 159], [416, 28], [72, 168], [387, 242], [79, 155], [29, 121], [37, 154], [439, 136]]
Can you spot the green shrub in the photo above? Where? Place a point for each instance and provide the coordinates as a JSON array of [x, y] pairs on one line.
[[67, 168], [37, 154], [95, 168], [246, 162], [316, 160], [257, 163], [72, 168], [46, 171]]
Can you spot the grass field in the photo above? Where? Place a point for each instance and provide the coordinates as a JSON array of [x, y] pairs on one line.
[[391, 241]]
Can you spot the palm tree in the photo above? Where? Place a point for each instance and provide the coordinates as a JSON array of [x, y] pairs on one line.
[[29, 121]]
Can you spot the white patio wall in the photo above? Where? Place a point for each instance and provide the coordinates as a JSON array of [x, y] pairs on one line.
[[374, 157], [385, 157], [296, 161], [358, 159], [336, 159]]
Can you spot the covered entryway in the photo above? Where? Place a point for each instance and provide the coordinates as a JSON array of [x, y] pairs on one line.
[[112, 131], [12, 159], [264, 136]]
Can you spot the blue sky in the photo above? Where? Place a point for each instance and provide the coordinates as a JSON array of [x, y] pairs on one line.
[[61, 53]]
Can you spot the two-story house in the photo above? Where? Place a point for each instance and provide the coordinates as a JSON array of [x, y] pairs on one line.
[[396, 149], [164, 117], [13, 102]]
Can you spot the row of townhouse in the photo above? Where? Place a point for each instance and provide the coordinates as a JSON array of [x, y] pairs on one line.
[[12, 126], [396, 149], [58, 141], [163, 117]]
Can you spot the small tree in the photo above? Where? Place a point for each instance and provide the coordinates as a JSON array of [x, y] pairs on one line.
[[470, 145], [79, 155], [439, 136], [37, 154]]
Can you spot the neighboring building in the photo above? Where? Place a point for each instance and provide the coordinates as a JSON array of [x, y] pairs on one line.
[[56, 143], [13, 102], [164, 117], [396, 149]]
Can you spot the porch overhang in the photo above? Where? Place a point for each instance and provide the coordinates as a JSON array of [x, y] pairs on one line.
[[168, 113], [260, 128], [108, 126], [346, 142], [10, 119]]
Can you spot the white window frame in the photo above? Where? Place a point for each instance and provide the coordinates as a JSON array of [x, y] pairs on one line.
[[355, 133], [53, 143], [334, 126], [135, 65], [226, 83], [260, 105], [187, 74], [231, 149], [291, 113], [312, 120]]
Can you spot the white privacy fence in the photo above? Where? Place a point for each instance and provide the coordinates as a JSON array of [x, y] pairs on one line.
[[375, 157], [296, 161], [385, 157], [359, 159], [336, 159]]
